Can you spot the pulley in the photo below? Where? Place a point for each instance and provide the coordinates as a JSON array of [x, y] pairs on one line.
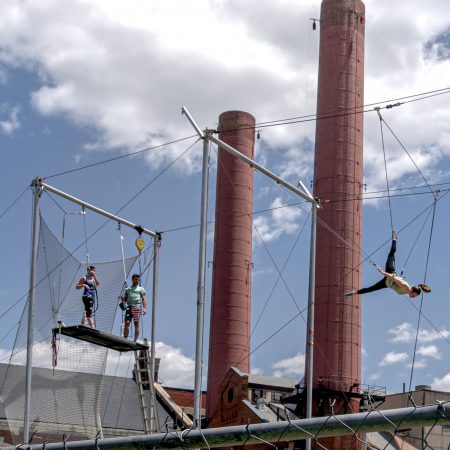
[[140, 244]]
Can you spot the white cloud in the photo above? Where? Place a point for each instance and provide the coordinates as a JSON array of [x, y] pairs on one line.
[[429, 351], [374, 376], [11, 122], [175, 370], [293, 367], [256, 371], [4, 355], [393, 358], [406, 332], [420, 364], [125, 69], [105, 67], [442, 384], [413, 64], [281, 220]]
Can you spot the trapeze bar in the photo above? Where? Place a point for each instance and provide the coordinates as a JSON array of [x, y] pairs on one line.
[[101, 338]]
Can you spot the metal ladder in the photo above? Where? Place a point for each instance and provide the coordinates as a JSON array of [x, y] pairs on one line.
[[146, 390]]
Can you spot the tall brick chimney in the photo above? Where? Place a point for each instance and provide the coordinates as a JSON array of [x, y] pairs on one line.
[[229, 341], [338, 180]]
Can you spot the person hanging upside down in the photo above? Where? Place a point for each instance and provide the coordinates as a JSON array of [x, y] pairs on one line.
[[391, 279], [136, 302], [89, 283]]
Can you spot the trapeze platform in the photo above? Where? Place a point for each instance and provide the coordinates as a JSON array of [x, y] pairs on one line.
[[102, 338]]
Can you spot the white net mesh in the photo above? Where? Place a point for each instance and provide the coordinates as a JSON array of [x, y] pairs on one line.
[[62, 400]]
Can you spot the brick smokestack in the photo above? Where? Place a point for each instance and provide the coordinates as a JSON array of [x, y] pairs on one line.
[[229, 341], [338, 181]]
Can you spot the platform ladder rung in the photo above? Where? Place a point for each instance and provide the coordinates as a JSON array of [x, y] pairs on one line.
[[142, 371]]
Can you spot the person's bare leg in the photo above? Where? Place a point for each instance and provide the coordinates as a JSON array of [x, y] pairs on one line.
[[136, 330], [126, 329]]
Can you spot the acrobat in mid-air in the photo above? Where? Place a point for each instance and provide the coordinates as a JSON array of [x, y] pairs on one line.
[[391, 279]]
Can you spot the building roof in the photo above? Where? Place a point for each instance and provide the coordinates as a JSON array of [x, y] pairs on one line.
[[184, 398], [263, 381], [267, 382]]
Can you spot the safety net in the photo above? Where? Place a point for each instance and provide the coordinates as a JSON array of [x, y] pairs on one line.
[[64, 400]]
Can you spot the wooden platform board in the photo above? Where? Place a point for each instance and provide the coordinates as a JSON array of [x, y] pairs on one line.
[[101, 338]]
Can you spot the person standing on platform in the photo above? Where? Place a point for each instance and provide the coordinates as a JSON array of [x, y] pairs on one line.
[[89, 283], [136, 301]]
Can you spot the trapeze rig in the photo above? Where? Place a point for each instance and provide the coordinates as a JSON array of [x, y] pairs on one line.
[[84, 333]]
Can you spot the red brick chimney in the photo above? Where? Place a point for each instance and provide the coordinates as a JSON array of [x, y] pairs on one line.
[[229, 341]]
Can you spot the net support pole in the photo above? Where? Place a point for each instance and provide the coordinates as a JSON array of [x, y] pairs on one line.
[[319, 427], [201, 286], [310, 318], [156, 247], [37, 190], [201, 270]]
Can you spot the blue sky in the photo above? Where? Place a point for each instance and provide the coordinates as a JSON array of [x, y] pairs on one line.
[[108, 79]]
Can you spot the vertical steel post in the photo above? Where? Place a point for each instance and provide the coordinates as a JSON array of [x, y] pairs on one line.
[[156, 246], [31, 295], [310, 318], [201, 284]]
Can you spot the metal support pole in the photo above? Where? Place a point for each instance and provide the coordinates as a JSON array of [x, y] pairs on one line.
[[156, 247], [40, 182], [310, 318], [201, 285], [193, 123], [318, 427], [37, 190]]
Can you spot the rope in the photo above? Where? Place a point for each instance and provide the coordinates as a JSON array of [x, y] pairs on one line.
[[421, 298], [142, 306], [50, 288], [111, 388], [14, 202], [410, 157], [123, 253], [123, 391], [385, 167], [87, 166], [366, 258], [85, 234], [415, 242], [125, 284]]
